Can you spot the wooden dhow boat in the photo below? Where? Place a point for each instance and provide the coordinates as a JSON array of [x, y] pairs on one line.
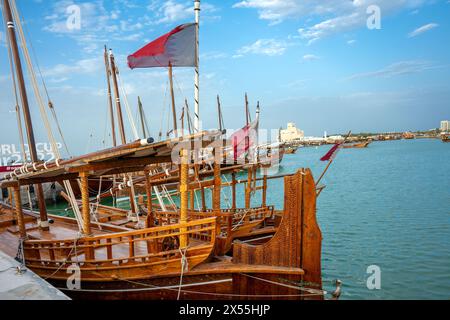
[[361, 145], [182, 258], [168, 261]]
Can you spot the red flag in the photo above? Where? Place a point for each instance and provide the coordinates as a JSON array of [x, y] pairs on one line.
[[243, 139], [332, 153], [176, 47]]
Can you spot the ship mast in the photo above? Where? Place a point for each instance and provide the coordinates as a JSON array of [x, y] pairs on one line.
[[197, 64], [142, 117], [26, 109], [114, 72], [116, 92], [111, 108], [172, 95]]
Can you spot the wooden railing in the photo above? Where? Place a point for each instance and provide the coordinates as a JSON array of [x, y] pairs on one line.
[[228, 219], [119, 249]]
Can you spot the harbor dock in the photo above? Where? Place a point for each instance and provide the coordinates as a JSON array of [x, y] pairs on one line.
[[24, 285]]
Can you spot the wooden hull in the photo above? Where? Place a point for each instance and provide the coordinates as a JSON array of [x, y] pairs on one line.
[[290, 150], [206, 286], [357, 145]]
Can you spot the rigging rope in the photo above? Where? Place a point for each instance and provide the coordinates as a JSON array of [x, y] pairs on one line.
[[127, 108], [42, 108], [17, 107], [50, 103], [184, 268]]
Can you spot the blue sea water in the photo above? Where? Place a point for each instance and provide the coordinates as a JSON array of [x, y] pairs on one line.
[[387, 205]]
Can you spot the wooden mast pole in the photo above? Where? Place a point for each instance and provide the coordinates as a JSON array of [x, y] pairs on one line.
[[111, 107], [184, 183], [217, 192], [247, 111], [172, 94], [114, 72], [116, 92], [141, 115], [182, 121], [219, 111], [148, 188], [217, 187], [85, 204], [19, 212], [248, 189], [26, 110], [233, 190]]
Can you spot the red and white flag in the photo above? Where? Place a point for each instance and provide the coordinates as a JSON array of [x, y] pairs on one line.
[[176, 48], [332, 153], [244, 139]]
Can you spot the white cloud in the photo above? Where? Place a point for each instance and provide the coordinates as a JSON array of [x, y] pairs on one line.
[[276, 11], [310, 57], [84, 66], [98, 24], [397, 69], [351, 42], [268, 47], [172, 11], [334, 16], [214, 55], [422, 29]]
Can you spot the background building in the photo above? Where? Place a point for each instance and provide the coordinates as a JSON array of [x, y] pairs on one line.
[[445, 125], [291, 133]]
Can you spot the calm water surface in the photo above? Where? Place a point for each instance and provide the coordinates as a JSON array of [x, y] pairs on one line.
[[387, 205]]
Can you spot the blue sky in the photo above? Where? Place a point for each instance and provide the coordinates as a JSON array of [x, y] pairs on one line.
[[311, 62]]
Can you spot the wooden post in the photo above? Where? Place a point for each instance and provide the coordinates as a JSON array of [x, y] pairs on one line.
[[233, 190], [264, 189], [150, 222], [192, 200], [10, 196], [132, 195], [172, 94], [86, 211], [216, 194], [202, 191], [217, 188], [248, 188], [26, 109], [184, 183], [19, 213]]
